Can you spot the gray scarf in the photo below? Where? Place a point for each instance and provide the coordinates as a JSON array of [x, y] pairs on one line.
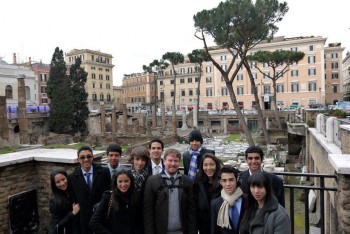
[[223, 215]]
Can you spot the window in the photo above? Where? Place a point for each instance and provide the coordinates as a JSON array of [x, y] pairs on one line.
[[189, 70], [294, 49], [196, 79], [240, 90], [240, 77], [93, 68], [208, 69], [335, 88], [161, 82], [93, 76], [334, 55], [94, 97], [42, 89], [209, 105], [43, 77], [294, 73], [312, 86], [224, 91], [92, 57], [295, 87], [183, 93], [280, 88], [107, 70], [208, 79], [311, 48], [255, 75], [8, 91], [252, 64], [27, 89], [44, 100], [171, 93], [190, 92], [334, 65], [267, 89], [334, 76], [101, 97], [93, 85], [101, 85], [162, 95], [108, 86], [224, 67], [108, 97], [172, 82], [189, 80], [266, 75], [223, 57], [107, 77], [222, 79], [182, 70], [312, 71], [295, 102], [209, 92], [182, 81], [266, 65], [100, 77], [100, 69], [279, 74], [311, 59]]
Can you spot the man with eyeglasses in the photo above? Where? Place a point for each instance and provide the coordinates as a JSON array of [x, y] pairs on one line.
[[87, 183]]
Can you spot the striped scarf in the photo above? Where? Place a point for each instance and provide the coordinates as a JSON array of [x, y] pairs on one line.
[[192, 172], [139, 177]]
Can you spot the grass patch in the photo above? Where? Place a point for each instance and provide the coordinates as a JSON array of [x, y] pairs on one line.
[[232, 137], [60, 146], [7, 150]]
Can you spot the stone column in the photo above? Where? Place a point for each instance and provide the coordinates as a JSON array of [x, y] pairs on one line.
[[4, 130], [163, 116], [125, 119], [184, 124], [103, 118], [154, 116], [195, 116], [22, 112], [225, 125], [114, 120]]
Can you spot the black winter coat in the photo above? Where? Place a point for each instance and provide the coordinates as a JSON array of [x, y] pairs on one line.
[[61, 214], [125, 218], [204, 194], [86, 199]]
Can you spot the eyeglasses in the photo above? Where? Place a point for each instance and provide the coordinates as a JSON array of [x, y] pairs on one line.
[[83, 157]]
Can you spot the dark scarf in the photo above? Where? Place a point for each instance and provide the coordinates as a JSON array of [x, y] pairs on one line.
[[139, 177]]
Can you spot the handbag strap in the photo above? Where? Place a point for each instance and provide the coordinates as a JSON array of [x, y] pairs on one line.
[[109, 206]]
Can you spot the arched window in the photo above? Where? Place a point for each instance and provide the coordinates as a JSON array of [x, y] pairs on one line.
[[27, 93], [8, 91], [101, 97]]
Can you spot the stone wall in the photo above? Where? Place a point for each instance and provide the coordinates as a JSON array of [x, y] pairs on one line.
[[31, 170], [345, 137]]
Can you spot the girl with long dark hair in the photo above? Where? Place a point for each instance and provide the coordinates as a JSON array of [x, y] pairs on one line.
[[120, 210], [206, 188], [263, 214], [63, 211]]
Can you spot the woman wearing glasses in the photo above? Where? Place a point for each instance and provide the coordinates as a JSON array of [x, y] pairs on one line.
[[63, 211]]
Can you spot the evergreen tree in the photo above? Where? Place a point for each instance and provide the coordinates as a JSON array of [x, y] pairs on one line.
[[59, 92], [81, 112]]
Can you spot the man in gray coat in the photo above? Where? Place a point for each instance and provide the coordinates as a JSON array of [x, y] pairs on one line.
[[169, 205]]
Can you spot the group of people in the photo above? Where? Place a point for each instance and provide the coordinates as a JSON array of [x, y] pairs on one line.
[[152, 197]]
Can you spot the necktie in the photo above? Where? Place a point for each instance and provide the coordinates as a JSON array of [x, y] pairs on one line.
[[235, 217], [88, 181], [157, 169], [114, 171]]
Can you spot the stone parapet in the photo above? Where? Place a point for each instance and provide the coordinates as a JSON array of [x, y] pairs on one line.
[[31, 169]]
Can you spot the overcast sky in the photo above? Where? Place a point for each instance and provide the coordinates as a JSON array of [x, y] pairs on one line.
[[136, 32]]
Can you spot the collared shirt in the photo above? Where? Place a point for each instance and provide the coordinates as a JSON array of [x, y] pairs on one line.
[[154, 169], [111, 168], [261, 169], [91, 172], [238, 204]]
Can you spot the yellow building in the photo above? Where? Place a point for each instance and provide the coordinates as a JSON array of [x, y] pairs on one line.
[[314, 80], [99, 84], [139, 91]]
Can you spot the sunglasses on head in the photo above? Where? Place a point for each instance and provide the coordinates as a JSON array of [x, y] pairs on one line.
[[87, 156]]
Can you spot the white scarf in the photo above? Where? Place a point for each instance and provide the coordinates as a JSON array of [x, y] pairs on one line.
[[229, 201]]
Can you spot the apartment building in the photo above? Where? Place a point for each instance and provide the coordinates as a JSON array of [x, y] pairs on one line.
[[314, 80], [346, 77], [99, 67], [139, 91], [118, 96], [42, 73]]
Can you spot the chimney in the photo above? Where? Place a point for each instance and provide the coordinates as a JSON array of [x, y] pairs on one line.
[[14, 58]]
